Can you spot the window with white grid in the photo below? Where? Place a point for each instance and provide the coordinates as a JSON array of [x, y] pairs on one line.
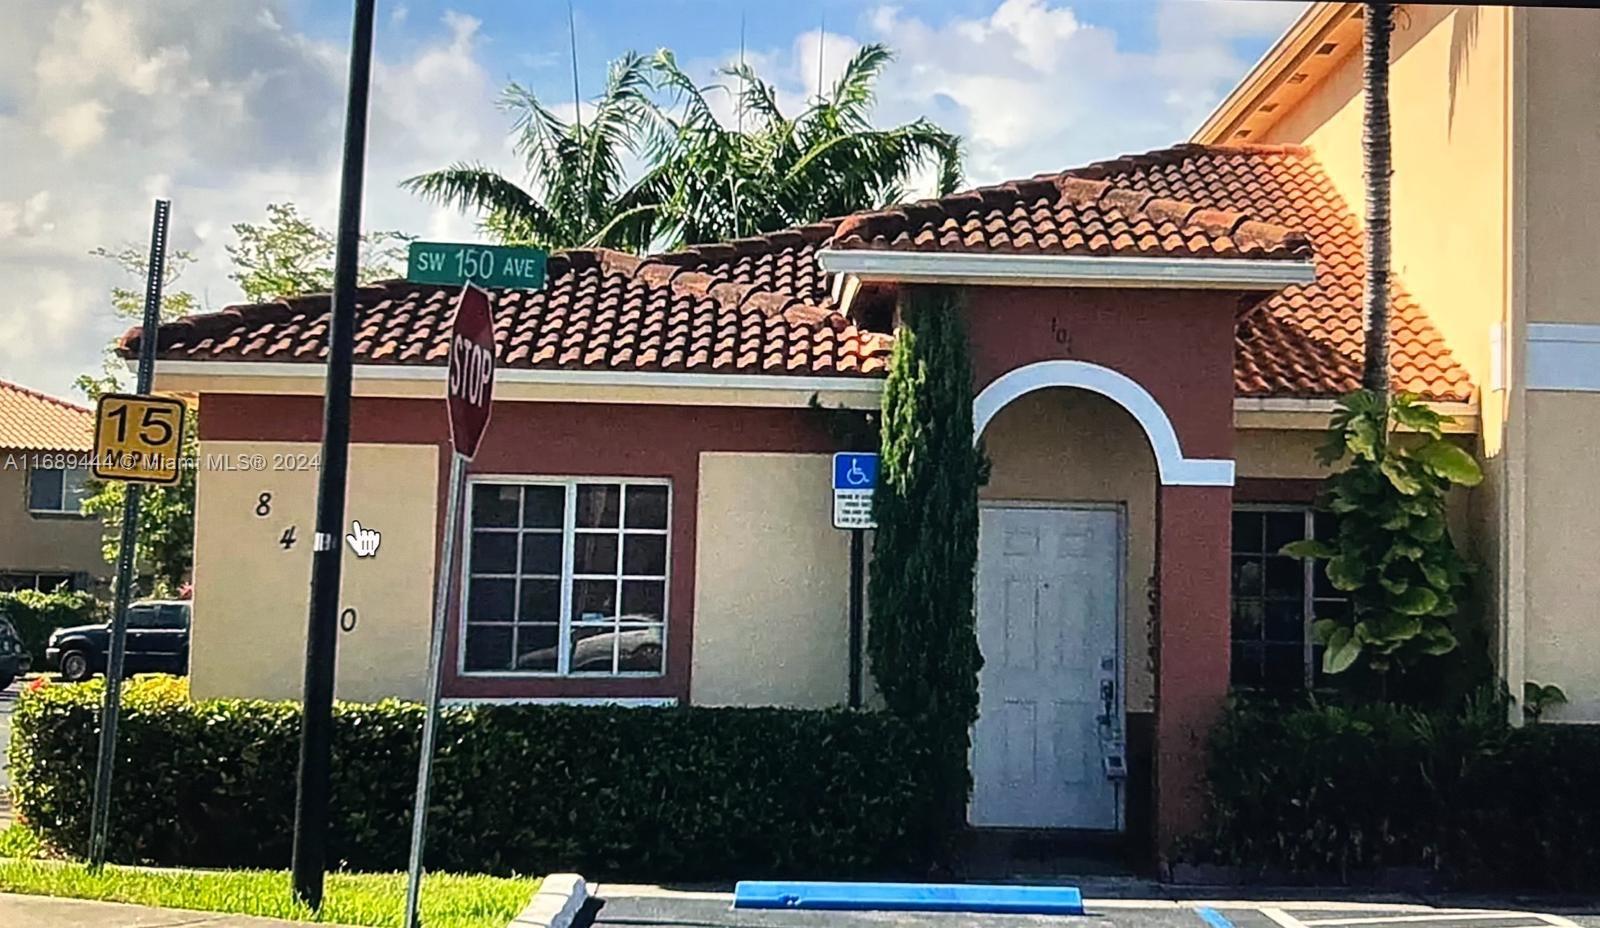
[[1276, 598], [567, 578]]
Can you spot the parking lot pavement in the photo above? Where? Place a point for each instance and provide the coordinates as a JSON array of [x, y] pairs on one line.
[[622, 906]]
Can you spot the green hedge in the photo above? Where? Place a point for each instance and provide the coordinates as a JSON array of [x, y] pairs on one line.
[[37, 614], [687, 793], [1330, 790]]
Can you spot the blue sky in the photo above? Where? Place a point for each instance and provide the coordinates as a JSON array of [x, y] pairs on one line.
[[228, 105]]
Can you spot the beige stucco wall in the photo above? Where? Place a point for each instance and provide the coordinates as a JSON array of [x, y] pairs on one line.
[[1453, 100], [1560, 277], [251, 594], [1563, 548], [1562, 174], [1277, 454], [771, 615], [1447, 99], [1072, 446], [30, 542]]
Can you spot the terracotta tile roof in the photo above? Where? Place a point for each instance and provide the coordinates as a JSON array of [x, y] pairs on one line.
[[600, 310], [1305, 340], [1071, 214], [33, 421], [763, 304]]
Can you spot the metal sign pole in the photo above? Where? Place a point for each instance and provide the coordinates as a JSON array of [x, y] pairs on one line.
[[857, 570], [430, 722], [111, 703], [309, 850]]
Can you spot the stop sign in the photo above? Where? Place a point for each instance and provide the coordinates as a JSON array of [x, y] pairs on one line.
[[471, 381]]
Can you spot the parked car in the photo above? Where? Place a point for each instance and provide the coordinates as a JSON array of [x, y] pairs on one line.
[[14, 657], [157, 642]]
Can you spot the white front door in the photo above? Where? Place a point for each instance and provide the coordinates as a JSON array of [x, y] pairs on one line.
[[1050, 699]]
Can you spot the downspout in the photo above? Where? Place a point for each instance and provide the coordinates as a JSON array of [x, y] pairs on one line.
[[1514, 428]]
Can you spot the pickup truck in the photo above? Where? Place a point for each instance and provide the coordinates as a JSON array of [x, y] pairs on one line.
[[157, 642]]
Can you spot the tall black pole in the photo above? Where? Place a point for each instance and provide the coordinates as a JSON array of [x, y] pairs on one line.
[[111, 701], [322, 626], [857, 620]]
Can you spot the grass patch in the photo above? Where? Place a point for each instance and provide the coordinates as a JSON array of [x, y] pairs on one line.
[[369, 899], [18, 840]]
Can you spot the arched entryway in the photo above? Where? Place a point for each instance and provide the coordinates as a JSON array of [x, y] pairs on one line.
[[1094, 523]]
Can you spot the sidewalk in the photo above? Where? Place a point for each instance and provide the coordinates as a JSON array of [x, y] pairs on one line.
[[47, 912]]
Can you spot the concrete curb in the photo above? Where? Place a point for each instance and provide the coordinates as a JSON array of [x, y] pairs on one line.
[[556, 904]]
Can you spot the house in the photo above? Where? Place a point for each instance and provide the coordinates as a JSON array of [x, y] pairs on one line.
[[1494, 214], [1158, 342], [45, 444]]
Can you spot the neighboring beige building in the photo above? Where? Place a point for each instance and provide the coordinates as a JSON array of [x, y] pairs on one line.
[[1496, 211], [45, 541]]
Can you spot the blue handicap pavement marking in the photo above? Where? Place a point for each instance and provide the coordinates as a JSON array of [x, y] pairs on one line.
[[1213, 918], [908, 897], [855, 470]]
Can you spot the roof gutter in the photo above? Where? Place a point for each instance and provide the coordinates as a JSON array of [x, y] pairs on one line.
[[1067, 270], [588, 378]]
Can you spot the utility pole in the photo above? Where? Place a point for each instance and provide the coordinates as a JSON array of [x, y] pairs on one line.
[[310, 852]]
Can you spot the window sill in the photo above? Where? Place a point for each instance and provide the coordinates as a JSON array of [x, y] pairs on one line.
[[552, 675], [627, 702], [62, 515]]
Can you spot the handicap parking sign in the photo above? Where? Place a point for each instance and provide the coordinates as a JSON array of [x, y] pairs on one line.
[[855, 475]]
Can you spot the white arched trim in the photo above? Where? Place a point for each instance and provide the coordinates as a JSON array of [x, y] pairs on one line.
[[1173, 467]]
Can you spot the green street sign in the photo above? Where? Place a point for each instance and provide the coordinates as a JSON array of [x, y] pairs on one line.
[[484, 265]]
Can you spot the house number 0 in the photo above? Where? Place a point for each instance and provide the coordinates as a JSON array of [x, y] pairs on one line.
[[347, 619], [1059, 334]]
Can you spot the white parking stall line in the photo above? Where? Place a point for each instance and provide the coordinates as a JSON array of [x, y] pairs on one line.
[[1432, 917], [1282, 918]]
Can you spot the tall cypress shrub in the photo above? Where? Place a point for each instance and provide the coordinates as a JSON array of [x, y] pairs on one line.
[[923, 640]]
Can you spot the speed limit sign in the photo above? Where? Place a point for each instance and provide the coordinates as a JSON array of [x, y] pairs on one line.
[[138, 438]]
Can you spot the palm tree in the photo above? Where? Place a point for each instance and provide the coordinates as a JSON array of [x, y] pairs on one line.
[[1376, 155], [702, 181], [579, 193], [720, 183]]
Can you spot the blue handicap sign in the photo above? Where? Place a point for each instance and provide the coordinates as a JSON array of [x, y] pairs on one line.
[[855, 470]]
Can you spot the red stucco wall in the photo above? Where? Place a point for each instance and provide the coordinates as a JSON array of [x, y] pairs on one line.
[[1177, 344], [554, 439]]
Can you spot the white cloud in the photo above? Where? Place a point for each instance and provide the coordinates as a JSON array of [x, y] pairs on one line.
[[224, 107], [1034, 87]]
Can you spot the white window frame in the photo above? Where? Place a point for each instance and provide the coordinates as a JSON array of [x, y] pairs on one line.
[[1308, 605], [569, 532], [61, 478]]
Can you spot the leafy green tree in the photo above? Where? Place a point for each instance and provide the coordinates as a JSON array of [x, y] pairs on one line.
[[579, 193], [165, 546], [772, 171], [701, 180], [285, 255], [288, 255], [127, 303], [1392, 554], [923, 640]]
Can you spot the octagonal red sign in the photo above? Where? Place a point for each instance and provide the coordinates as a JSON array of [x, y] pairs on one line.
[[470, 386]]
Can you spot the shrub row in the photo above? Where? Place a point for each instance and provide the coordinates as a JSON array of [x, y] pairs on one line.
[[1330, 790], [686, 793], [37, 614]]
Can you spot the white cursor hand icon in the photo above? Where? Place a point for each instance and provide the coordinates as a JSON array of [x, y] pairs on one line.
[[363, 541]]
